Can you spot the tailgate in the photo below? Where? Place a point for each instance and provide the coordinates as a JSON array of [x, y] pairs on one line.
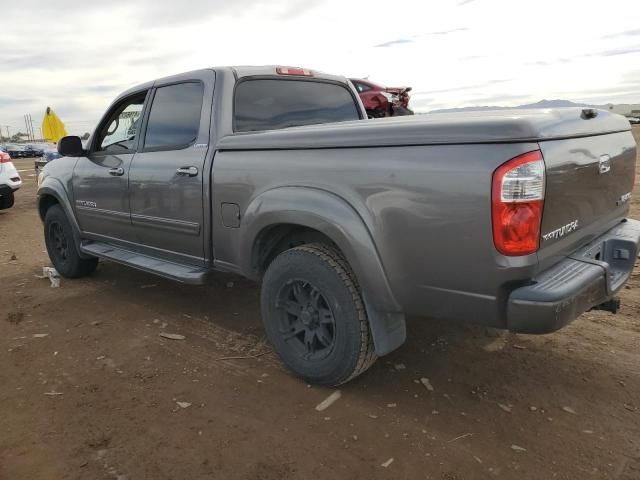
[[588, 187]]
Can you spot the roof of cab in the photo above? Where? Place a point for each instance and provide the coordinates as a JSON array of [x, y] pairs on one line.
[[238, 72], [269, 70]]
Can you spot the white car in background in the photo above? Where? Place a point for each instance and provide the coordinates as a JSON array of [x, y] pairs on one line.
[[10, 181]]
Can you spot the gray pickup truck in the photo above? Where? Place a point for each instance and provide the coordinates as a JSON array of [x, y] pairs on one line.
[[512, 219]]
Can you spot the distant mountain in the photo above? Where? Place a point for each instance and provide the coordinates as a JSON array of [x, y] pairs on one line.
[[554, 104], [541, 104]]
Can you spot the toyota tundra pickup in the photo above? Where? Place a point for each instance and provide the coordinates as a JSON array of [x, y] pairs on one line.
[[509, 219]]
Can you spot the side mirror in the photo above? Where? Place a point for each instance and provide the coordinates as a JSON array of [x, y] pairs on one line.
[[70, 146]]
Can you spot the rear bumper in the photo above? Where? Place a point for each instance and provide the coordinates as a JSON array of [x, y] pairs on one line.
[[589, 277], [12, 184]]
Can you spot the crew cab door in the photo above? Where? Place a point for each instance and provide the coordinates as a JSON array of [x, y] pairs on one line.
[[167, 179], [100, 180]]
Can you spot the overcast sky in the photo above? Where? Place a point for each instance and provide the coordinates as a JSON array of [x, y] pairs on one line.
[[75, 56]]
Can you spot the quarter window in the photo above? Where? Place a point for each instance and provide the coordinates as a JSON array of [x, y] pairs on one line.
[[174, 120]]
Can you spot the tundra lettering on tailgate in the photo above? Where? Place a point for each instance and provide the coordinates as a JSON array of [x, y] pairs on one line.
[[562, 231], [624, 199]]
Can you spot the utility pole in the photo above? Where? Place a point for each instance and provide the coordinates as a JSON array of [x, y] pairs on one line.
[[29, 126], [33, 133], [32, 129]]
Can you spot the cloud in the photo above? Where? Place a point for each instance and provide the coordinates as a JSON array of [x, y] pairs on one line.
[[413, 38], [624, 88], [445, 32], [10, 101], [548, 63], [27, 60], [147, 12], [618, 51], [476, 86], [626, 33], [464, 2], [390, 43], [103, 88], [501, 98]]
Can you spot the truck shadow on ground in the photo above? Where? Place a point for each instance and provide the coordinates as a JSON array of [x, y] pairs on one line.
[[461, 361], [486, 391]]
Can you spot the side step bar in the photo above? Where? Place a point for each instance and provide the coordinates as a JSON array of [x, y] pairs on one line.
[[182, 273]]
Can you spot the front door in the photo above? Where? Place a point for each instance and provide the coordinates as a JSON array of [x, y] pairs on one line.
[[100, 180], [166, 179]]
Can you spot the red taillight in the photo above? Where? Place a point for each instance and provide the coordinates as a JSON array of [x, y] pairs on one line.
[[517, 198], [4, 157], [303, 72]]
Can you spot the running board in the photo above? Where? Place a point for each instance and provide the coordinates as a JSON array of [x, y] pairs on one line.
[[182, 273]]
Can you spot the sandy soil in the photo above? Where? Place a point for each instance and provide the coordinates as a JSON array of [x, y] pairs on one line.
[[97, 397]]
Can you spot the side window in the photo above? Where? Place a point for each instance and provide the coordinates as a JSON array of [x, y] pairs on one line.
[[120, 131], [174, 120]]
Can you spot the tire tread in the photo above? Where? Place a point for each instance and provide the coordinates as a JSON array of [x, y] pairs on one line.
[[334, 258], [78, 267]]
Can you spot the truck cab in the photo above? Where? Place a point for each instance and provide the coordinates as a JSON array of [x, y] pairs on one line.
[[144, 179]]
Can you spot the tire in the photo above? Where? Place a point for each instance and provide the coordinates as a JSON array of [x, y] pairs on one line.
[[62, 247], [314, 315], [6, 200]]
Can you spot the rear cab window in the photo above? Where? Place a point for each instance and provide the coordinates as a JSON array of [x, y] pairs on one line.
[[270, 104]]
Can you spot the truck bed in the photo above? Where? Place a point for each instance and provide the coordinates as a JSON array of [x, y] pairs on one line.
[[422, 186]]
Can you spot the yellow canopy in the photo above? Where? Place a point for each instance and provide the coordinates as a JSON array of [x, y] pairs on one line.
[[52, 127]]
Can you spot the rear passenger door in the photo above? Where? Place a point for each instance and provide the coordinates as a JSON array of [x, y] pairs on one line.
[[167, 181]]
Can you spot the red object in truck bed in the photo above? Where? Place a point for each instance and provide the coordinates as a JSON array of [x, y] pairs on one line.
[[380, 101]]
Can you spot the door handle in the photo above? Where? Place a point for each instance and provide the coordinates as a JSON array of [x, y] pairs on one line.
[[116, 172], [187, 171]]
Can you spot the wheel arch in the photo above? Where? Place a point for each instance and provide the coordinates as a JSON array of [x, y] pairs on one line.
[[307, 215], [50, 193], [45, 202]]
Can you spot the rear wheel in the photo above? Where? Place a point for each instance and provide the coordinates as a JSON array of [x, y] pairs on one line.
[[62, 247], [315, 317]]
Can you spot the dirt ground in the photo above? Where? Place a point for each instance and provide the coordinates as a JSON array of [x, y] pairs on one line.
[[89, 390]]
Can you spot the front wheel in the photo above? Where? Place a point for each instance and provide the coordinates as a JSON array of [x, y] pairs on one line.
[[314, 315], [62, 248], [6, 200]]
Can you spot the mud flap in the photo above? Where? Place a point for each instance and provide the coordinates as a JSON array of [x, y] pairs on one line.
[[389, 329]]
